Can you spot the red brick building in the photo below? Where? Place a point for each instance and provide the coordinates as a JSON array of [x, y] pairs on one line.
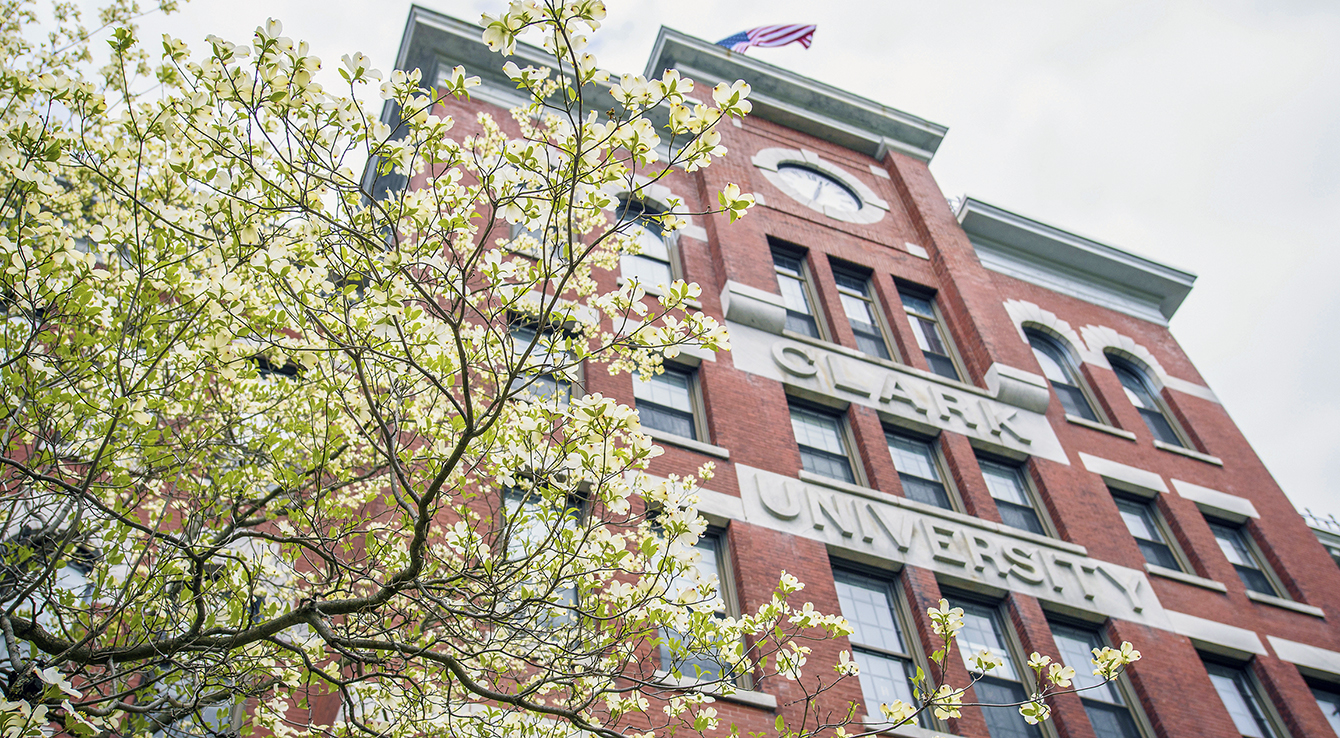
[[928, 400]]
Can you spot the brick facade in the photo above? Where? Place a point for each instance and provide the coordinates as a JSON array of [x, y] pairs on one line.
[[746, 413]]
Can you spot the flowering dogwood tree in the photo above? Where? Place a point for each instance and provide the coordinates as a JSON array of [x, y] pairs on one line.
[[267, 437]]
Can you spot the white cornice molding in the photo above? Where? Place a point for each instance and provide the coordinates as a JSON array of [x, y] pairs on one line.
[[797, 102], [1096, 272]]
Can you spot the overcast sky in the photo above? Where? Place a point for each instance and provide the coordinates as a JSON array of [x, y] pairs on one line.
[[1202, 134]]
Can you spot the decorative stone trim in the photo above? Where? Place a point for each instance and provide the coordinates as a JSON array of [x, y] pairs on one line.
[[753, 307], [1018, 387], [688, 443], [1183, 577], [1216, 637], [1319, 661], [1027, 315], [878, 723], [1218, 504], [1280, 602], [1123, 477], [872, 208], [743, 696], [1198, 456], [1119, 433]]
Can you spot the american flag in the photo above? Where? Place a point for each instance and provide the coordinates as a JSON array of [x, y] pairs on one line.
[[769, 36]]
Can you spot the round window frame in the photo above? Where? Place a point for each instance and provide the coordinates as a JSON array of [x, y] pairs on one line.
[[770, 161]]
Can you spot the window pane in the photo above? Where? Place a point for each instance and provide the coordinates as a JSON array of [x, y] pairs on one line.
[[1005, 483], [866, 605], [1022, 517], [647, 271], [924, 491], [1160, 427], [857, 310], [817, 431], [1329, 702], [1139, 520], [828, 465], [706, 661], [914, 457], [917, 304], [1074, 402], [1136, 390], [671, 388], [884, 680], [981, 630], [1235, 690], [1052, 364], [1110, 721], [793, 294], [942, 365], [1004, 722], [1075, 648]]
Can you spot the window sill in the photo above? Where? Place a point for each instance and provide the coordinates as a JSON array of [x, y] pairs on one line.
[[742, 696], [1208, 459], [939, 512], [688, 443], [853, 353], [875, 722], [1100, 427], [655, 291], [1280, 602], [1183, 577]]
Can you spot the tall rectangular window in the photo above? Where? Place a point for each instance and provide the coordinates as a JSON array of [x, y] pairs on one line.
[[686, 659], [793, 281], [530, 527], [1013, 498], [983, 628], [548, 375], [930, 333], [667, 401], [1142, 520], [880, 644], [918, 466], [862, 312], [1241, 553], [822, 442], [1108, 709], [651, 265], [1238, 693]]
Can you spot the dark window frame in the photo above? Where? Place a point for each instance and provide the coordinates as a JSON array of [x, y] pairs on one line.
[[1071, 390], [1148, 509], [696, 415], [857, 283], [900, 611], [923, 489], [1010, 511], [810, 324], [1148, 401], [1250, 689], [811, 455], [1257, 578], [946, 363]]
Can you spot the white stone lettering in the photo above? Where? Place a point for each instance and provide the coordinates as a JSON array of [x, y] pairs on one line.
[[969, 550]]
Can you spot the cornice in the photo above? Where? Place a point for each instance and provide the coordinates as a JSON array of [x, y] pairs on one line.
[[798, 102], [1072, 264]]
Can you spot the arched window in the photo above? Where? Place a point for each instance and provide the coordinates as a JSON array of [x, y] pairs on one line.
[[1061, 373], [1145, 399]]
